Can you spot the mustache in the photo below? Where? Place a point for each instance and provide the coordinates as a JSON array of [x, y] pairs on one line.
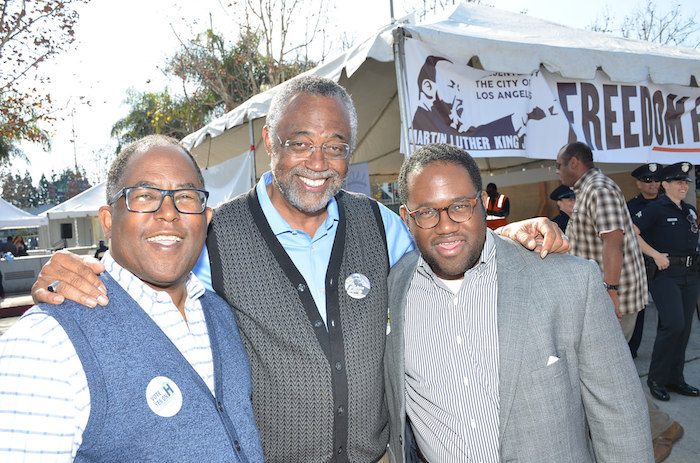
[[315, 175]]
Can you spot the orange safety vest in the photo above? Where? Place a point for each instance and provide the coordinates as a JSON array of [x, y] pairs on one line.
[[493, 221]]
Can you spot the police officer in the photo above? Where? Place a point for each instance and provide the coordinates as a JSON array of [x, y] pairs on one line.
[[670, 227], [565, 198], [648, 182]]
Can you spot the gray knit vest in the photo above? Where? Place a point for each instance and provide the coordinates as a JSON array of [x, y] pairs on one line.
[[318, 394]]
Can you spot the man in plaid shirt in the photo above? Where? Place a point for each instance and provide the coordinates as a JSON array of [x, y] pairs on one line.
[[601, 229]]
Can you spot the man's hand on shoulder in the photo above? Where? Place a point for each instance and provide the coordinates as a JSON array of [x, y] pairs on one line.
[[539, 234], [77, 278]]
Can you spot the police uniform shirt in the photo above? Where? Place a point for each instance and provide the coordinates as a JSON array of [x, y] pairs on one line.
[[562, 220], [668, 228], [638, 203]]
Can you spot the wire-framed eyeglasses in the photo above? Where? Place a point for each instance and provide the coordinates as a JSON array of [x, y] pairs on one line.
[[302, 149], [149, 199], [458, 211]]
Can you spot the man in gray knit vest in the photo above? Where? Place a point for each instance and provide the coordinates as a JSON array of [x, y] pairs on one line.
[[304, 265]]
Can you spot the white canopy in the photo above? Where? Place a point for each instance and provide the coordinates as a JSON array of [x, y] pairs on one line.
[[488, 38], [14, 217], [84, 204]]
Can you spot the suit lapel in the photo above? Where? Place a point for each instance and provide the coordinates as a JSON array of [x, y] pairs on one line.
[[399, 282], [513, 313]]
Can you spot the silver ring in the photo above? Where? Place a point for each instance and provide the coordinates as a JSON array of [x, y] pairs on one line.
[[53, 287]]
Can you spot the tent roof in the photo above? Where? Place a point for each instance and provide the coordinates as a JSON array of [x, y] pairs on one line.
[[81, 205], [14, 217], [517, 43], [502, 42]]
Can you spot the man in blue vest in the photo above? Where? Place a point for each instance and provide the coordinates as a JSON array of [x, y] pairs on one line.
[[161, 374]]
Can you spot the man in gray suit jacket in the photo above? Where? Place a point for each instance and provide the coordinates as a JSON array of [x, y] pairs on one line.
[[493, 354]]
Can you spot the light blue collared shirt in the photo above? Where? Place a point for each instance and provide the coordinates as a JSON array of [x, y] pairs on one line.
[[312, 254]]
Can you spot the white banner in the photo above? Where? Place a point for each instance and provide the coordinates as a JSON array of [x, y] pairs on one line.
[[500, 114]]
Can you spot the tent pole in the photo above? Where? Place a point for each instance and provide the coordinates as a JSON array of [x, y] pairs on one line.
[[251, 136], [401, 85]]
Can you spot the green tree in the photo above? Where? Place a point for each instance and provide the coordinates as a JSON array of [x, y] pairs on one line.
[[225, 74], [31, 32], [160, 113], [62, 186], [18, 189], [42, 191]]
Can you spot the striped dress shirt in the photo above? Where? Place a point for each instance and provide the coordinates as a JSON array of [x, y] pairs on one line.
[[451, 356], [44, 395]]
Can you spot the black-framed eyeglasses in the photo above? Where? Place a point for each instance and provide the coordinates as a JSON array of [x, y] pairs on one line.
[[302, 149], [149, 199], [458, 211], [693, 223]]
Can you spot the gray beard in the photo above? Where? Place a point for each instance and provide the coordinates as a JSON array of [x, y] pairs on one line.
[[300, 199]]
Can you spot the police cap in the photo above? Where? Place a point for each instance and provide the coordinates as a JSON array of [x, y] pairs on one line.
[[648, 172], [677, 171], [562, 192]]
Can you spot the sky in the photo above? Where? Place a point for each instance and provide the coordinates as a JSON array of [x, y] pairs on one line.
[[122, 45]]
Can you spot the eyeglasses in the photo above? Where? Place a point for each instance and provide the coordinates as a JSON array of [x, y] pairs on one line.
[[148, 199], [693, 223], [459, 211], [332, 151], [649, 180]]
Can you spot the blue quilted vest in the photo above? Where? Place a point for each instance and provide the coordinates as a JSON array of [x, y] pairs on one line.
[[125, 354]]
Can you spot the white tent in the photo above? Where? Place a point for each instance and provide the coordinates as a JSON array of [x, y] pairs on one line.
[[13, 217], [84, 204], [487, 39]]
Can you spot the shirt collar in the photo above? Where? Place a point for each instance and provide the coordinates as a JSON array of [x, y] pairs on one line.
[[488, 256], [137, 289], [277, 223], [584, 178]]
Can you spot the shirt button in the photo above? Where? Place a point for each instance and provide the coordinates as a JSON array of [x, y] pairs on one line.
[[219, 406], [318, 323], [341, 410], [340, 450], [301, 288], [237, 445], [338, 366]]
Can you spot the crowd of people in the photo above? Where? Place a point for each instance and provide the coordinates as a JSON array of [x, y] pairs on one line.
[[260, 331]]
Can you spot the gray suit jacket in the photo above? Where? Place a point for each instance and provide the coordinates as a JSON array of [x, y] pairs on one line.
[[556, 306]]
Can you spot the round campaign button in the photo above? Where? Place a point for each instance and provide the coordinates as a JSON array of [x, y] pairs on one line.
[[163, 396], [357, 285]]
